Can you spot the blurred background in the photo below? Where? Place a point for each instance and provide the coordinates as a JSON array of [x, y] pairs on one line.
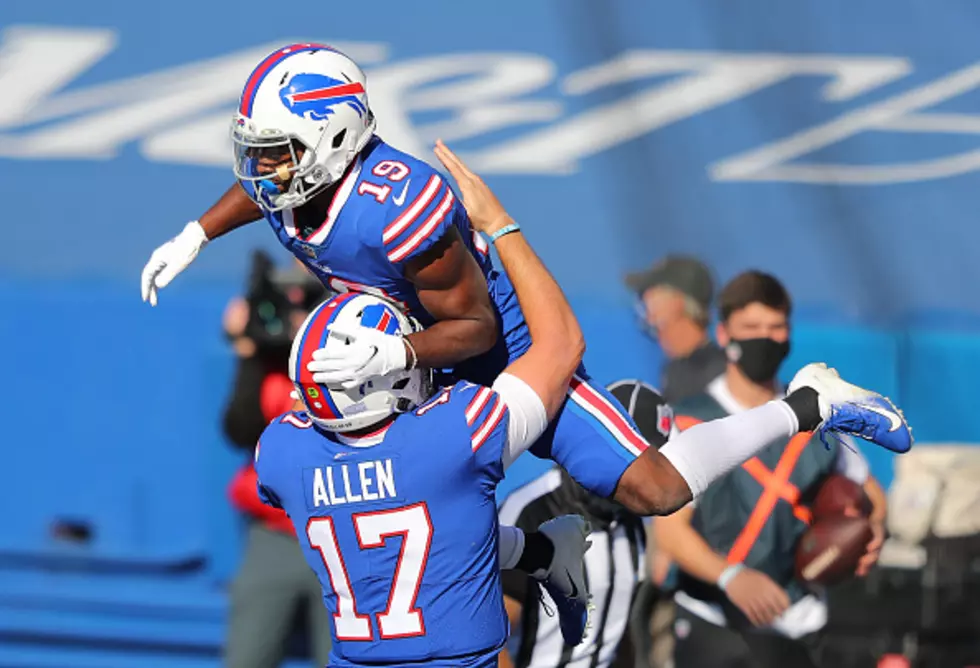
[[833, 145]]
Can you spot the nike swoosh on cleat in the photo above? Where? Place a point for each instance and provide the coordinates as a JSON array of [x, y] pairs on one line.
[[571, 581], [400, 198], [896, 421]]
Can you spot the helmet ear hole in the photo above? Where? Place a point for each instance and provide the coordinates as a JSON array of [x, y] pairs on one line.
[[400, 384], [338, 138]]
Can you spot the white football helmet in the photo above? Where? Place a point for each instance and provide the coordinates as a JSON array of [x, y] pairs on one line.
[[336, 409], [302, 119]]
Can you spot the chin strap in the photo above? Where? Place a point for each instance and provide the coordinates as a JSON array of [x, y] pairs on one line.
[[269, 188]]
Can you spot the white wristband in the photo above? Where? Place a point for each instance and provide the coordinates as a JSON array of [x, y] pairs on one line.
[[728, 575], [414, 362], [194, 231]]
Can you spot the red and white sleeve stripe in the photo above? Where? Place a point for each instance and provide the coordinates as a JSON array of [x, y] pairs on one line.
[[488, 422], [425, 230], [413, 210], [477, 404]]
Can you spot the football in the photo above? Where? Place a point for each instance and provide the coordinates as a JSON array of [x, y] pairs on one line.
[[830, 550], [839, 495]]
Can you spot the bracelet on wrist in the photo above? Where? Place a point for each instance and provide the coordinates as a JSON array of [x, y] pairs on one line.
[[506, 229], [728, 575], [411, 364]]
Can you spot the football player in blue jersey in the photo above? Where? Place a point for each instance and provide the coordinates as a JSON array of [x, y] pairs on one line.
[[365, 217], [391, 485]]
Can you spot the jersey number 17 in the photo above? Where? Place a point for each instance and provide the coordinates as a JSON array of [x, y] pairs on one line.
[[401, 618]]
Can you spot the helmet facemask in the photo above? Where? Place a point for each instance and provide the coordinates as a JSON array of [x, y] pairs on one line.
[[281, 168]]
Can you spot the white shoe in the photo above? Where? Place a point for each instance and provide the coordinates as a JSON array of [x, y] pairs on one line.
[[853, 410]]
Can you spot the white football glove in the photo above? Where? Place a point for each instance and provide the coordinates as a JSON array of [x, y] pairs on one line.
[[170, 259], [368, 353]]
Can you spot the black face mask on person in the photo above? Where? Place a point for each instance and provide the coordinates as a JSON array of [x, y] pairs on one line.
[[759, 359]]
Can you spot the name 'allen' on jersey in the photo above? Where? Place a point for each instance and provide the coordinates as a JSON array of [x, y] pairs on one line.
[[371, 480]]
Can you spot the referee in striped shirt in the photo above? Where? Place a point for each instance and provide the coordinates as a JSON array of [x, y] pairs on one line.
[[614, 564]]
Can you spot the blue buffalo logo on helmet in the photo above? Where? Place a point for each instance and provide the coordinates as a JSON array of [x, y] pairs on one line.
[[313, 96]]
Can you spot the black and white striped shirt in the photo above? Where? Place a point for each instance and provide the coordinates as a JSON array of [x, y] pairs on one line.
[[614, 565]]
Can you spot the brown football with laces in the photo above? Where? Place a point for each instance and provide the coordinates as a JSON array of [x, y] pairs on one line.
[[839, 495], [830, 550]]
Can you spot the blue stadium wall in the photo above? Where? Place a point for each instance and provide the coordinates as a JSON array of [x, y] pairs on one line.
[[830, 144]]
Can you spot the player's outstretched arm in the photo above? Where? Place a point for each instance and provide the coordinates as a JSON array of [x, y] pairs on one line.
[[233, 210], [557, 344], [660, 482]]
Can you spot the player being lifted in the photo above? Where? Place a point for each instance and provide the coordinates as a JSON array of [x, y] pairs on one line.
[[391, 485], [365, 217]]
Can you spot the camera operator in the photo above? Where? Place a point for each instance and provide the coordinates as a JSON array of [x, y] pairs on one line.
[[273, 581]]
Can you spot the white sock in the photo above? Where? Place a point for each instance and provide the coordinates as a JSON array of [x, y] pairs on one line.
[[510, 546], [709, 450]]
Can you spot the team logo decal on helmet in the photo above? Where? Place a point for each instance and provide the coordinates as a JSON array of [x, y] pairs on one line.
[[313, 96]]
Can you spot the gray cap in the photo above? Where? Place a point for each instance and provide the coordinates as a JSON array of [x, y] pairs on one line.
[[687, 275]]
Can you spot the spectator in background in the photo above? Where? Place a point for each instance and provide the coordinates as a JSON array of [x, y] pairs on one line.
[[273, 582], [738, 602], [674, 297], [673, 300]]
